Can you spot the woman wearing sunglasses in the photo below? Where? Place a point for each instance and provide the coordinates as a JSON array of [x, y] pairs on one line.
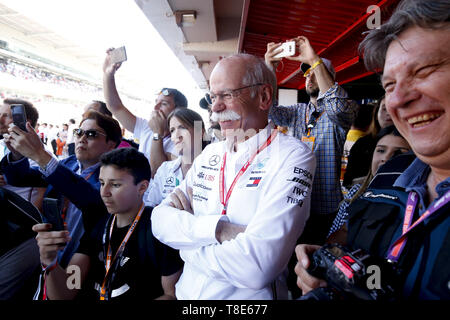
[[187, 132]]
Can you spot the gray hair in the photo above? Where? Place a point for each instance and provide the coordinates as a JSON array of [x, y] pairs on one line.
[[422, 13], [256, 72]]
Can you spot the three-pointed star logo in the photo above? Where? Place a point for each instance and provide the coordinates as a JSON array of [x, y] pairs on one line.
[[214, 160], [169, 180]]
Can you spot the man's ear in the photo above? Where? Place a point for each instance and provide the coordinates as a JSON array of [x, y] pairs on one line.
[[266, 97]]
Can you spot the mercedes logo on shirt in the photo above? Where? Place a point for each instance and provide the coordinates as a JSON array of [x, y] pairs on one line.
[[169, 180], [214, 160]]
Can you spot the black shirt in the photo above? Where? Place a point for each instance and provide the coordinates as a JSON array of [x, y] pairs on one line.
[[136, 275]]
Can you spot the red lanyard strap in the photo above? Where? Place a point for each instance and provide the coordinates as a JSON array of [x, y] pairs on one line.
[[397, 247], [224, 200], [109, 260]]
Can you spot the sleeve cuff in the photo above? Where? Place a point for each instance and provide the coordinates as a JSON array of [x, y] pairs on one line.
[[329, 92], [205, 227], [50, 167]]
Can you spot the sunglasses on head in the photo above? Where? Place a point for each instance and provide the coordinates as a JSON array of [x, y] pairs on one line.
[[90, 134], [165, 92]]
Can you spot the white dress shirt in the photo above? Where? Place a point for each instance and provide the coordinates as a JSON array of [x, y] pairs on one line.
[[272, 198]]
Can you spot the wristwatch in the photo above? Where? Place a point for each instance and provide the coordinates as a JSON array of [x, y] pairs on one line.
[[156, 136]]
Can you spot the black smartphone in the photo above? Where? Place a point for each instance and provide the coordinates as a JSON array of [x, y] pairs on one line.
[[19, 116], [52, 214]]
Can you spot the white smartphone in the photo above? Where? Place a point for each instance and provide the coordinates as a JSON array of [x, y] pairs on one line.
[[118, 55], [288, 49]]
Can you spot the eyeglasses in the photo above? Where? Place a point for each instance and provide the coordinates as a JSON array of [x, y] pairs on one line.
[[90, 134], [228, 95]]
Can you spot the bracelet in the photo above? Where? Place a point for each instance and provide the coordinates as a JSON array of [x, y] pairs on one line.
[[312, 67]]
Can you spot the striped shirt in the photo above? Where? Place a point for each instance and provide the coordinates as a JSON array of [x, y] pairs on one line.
[[337, 113]]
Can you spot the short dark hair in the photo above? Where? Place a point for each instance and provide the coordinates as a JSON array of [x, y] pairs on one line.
[[364, 116], [422, 13], [30, 110], [110, 125], [389, 130], [129, 159], [178, 98], [103, 109]]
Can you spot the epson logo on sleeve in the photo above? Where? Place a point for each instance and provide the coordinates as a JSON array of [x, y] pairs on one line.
[[304, 172]]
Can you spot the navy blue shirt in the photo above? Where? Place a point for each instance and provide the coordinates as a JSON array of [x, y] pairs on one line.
[[414, 178]]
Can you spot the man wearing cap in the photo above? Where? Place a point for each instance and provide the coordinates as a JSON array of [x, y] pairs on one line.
[[153, 135], [323, 124]]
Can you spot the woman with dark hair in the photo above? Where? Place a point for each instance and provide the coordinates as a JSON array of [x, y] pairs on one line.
[[187, 132], [360, 156], [388, 143]]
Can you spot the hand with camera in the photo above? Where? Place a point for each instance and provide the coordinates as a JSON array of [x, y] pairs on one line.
[[50, 242], [27, 144], [306, 53], [272, 50], [305, 281], [109, 66]]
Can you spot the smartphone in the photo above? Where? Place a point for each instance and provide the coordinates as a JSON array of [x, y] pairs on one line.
[[19, 116], [52, 214], [288, 49], [118, 55]]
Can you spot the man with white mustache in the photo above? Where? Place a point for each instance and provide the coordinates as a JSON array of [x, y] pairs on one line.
[[244, 202]]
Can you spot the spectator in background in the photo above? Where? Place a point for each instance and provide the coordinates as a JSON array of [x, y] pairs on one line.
[[186, 131], [359, 128], [61, 148], [52, 136], [143, 269], [360, 156], [43, 132], [70, 142], [236, 237], [99, 106], [322, 124], [153, 135], [32, 194]]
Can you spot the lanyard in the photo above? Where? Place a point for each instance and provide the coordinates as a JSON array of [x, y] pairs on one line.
[[224, 200], [109, 260], [397, 247], [310, 126]]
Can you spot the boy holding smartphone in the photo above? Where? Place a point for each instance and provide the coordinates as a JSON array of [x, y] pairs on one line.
[[111, 260]]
